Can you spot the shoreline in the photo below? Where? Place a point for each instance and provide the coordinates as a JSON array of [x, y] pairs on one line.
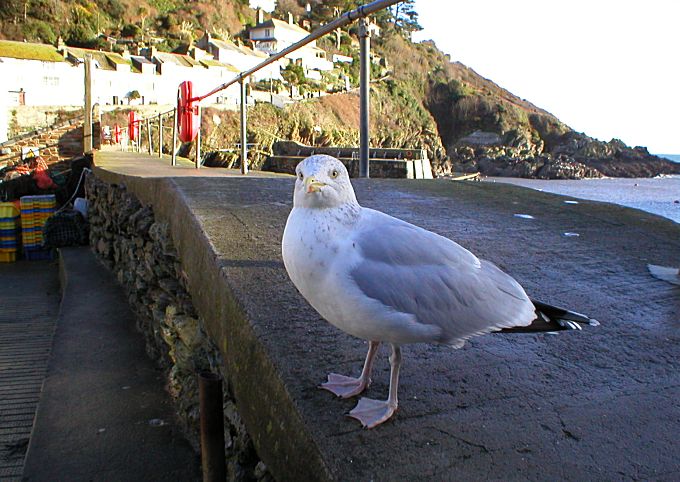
[[657, 195]]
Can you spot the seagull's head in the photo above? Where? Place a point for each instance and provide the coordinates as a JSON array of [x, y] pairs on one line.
[[322, 182]]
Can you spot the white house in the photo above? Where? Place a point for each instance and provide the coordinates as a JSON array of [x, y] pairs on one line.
[[242, 58], [39, 74], [113, 78], [36, 74], [275, 35]]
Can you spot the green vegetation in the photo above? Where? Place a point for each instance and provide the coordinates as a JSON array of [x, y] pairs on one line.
[[21, 50], [294, 74]]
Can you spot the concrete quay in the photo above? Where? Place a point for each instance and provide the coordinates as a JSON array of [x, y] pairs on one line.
[[594, 405]]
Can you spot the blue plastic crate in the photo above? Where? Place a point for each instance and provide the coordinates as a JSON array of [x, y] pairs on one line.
[[38, 254]]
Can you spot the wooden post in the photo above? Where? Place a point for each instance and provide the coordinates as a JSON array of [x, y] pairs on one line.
[[87, 126]]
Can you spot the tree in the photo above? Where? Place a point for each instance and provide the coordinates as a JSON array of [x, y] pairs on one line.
[[405, 17], [294, 74], [131, 30]]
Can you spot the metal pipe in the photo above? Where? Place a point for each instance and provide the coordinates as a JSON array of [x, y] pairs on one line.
[[339, 22], [160, 136], [365, 92], [174, 137], [244, 133], [212, 427], [148, 135], [198, 141]]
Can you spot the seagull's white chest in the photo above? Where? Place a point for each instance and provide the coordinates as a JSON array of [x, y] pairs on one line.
[[313, 241], [310, 245]]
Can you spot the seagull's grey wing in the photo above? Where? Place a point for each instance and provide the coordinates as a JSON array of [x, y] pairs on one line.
[[414, 271]]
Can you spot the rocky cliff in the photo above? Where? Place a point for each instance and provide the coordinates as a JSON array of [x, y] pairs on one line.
[[485, 128]]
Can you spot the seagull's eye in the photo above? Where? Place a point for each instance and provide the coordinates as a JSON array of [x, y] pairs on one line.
[[300, 176], [334, 173]]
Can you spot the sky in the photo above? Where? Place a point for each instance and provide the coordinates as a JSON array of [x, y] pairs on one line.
[[606, 68]]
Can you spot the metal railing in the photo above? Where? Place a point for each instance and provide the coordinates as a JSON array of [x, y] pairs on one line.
[[345, 19]]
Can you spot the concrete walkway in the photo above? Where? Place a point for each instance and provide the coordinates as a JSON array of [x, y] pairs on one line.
[[29, 302], [595, 405], [103, 412]]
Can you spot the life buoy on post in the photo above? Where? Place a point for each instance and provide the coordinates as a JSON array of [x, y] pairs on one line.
[[188, 122], [133, 125]]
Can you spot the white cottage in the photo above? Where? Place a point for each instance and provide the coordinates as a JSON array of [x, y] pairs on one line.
[[36, 74], [275, 35], [242, 58]]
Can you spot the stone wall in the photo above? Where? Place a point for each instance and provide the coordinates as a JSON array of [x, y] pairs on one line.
[[139, 250], [23, 119], [56, 144], [384, 163]]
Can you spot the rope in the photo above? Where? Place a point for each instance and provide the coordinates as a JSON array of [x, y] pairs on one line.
[[82, 174]]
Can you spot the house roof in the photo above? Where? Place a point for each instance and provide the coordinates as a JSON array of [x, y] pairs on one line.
[[105, 60], [216, 63], [29, 51], [280, 24], [228, 45], [176, 59], [140, 59], [224, 45]]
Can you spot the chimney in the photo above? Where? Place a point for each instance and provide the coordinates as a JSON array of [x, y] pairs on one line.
[[290, 19], [260, 15], [150, 52]]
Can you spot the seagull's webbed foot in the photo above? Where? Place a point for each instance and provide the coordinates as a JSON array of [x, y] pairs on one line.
[[346, 387], [372, 412], [343, 386]]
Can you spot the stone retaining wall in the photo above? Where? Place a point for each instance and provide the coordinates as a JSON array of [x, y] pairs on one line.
[[56, 144], [387, 163], [138, 248]]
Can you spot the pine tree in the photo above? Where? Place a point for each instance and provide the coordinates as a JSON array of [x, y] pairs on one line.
[[405, 17]]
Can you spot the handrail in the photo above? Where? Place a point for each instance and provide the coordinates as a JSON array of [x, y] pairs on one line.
[[141, 119], [341, 21]]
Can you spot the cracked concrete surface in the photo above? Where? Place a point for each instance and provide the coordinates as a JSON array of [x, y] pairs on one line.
[[602, 404]]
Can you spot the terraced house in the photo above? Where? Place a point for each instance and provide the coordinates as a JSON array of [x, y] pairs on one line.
[[41, 74]]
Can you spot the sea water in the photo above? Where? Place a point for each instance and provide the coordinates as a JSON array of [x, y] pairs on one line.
[[658, 195]]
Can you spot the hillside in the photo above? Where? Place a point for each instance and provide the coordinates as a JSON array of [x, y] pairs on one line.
[[419, 97]]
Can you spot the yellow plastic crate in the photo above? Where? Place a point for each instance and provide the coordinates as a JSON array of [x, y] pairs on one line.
[[8, 257], [8, 210]]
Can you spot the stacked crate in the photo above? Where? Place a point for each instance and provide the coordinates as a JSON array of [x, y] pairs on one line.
[[34, 212], [9, 232]]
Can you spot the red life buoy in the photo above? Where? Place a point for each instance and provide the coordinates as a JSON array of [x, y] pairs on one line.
[[188, 122], [116, 133], [133, 125]]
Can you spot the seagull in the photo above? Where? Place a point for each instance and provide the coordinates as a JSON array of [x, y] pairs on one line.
[[384, 280]]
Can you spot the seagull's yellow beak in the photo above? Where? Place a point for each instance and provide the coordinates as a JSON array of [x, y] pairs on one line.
[[313, 185]]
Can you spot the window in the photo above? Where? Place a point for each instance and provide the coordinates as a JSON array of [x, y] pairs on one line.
[[267, 32], [50, 81]]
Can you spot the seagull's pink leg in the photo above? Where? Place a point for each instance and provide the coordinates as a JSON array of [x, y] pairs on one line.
[[346, 387], [374, 412]]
